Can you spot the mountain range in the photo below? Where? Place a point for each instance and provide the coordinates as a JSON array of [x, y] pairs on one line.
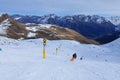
[[13, 29], [93, 27]]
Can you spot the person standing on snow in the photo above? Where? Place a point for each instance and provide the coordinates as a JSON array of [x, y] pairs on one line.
[[74, 57]]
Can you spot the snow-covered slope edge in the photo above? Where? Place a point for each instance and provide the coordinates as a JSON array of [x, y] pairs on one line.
[[24, 61]]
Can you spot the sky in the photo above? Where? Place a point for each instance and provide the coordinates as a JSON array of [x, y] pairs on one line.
[[61, 7]]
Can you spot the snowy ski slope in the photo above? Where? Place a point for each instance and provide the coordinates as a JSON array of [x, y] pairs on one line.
[[22, 60]]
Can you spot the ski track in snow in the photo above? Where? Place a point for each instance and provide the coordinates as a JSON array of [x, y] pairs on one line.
[[22, 60]]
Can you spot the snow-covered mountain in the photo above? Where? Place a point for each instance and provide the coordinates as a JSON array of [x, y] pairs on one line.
[[93, 27], [10, 28], [116, 21], [45, 19], [101, 29], [13, 29], [22, 60]]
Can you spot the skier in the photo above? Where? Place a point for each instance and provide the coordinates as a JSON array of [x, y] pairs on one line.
[[81, 58], [74, 57]]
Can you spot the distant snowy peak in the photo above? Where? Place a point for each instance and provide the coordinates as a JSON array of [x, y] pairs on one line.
[[50, 16], [115, 20], [17, 18], [46, 19], [98, 19], [94, 18]]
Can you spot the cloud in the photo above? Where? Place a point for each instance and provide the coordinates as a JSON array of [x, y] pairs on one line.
[[60, 6]]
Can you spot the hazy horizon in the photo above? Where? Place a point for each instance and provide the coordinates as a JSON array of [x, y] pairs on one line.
[[62, 8]]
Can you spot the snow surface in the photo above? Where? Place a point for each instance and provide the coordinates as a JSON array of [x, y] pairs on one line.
[[3, 26], [100, 20], [30, 34], [34, 28], [22, 60], [40, 26], [17, 18], [45, 25]]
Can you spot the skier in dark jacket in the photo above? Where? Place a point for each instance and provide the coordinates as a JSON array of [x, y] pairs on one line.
[[74, 57]]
